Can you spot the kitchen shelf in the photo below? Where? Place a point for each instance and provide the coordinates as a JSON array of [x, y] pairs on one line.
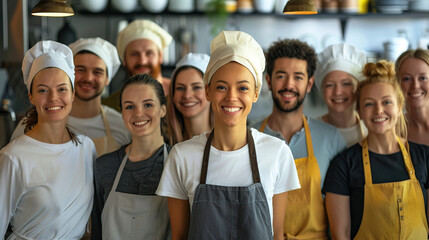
[[343, 17], [110, 12]]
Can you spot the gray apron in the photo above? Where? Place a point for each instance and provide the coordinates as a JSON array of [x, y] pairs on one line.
[[107, 143], [221, 212], [131, 216]]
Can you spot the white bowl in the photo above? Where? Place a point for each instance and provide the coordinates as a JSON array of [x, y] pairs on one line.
[[94, 5], [125, 6], [154, 6], [264, 6]]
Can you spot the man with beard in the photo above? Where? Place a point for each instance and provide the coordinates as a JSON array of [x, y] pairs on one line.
[[140, 47], [290, 68], [96, 62]]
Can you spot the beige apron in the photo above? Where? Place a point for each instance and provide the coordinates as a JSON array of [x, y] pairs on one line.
[[132, 216], [393, 210], [108, 143], [305, 212]]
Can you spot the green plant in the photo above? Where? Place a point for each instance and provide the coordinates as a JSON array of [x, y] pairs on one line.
[[217, 14]]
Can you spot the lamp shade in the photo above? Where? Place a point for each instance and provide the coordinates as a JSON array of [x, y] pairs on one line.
[[300, 7], [53, 8]]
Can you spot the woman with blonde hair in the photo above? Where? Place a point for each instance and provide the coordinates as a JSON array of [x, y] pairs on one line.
[[377, 189], [412, 70], [338, 71], [189, 112]]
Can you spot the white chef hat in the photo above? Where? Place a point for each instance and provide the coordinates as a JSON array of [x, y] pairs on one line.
[[142, 29], [103, 49], [236, 46], [339, 57], [196, 60], [45, 54]]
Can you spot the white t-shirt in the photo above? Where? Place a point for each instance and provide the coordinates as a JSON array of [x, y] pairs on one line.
[[94, 127], [353, 134], [181, 174], [46, 190]]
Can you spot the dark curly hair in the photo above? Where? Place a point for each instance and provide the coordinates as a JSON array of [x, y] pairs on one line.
[[291, 48]]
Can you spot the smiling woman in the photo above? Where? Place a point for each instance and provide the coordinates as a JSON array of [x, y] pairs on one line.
[[242, 191], [126, 179], [378, 189], [189, 111], [339, 69], [46, 188], [412, 69]]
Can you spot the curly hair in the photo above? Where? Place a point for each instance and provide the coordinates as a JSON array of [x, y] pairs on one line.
[[291, 48], [384, 72]]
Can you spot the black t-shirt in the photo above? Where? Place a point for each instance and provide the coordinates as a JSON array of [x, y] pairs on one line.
[[345, 175]]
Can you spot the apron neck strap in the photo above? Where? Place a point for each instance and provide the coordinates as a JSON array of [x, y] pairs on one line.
[[264, 123], [308, 137], [252, 156], [106, 123], [405, 154]]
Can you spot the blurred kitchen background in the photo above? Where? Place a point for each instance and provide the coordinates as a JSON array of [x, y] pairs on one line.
[[383, 28]]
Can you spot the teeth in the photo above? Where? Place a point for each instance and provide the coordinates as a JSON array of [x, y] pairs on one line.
[[189, 104], [140, 123], [53, 108], [232, 109], [416, 94], [341, 100], [379, 119], [288, 95]]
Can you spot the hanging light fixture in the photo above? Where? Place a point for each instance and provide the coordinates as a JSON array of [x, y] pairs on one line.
[[300, 7], [53, 8]]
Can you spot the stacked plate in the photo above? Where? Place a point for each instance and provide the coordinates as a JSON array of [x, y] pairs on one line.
[[391, 6], [419, 5], [395, 47]]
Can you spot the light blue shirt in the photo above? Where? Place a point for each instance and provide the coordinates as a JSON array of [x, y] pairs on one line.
[[327, 142]]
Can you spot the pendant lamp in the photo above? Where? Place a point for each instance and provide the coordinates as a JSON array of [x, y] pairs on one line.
[[53, 8], [300, 7]]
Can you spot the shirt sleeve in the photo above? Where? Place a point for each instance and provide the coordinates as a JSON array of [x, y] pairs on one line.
[[287, 178], [172, 179], [340, 145], [337, 177], [11, 189]]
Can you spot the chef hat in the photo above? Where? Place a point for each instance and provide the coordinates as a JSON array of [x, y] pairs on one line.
[[142, 29], [45, 54], [103, 49], [196, 60], [236, 46], [339, 57]]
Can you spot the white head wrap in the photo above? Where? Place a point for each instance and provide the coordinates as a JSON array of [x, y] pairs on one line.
[[195, 60], [339, 57], [45, 54], [236, 46], [142, 29], [103, 49]]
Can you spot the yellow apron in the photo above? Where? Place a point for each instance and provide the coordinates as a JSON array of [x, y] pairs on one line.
[[305, 212], [394, 210], [108, 143]]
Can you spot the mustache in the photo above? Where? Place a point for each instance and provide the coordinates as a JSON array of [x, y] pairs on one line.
[[140, 65]]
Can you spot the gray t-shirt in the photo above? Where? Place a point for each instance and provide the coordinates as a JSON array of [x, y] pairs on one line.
[[140, 178], [327, 142]]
